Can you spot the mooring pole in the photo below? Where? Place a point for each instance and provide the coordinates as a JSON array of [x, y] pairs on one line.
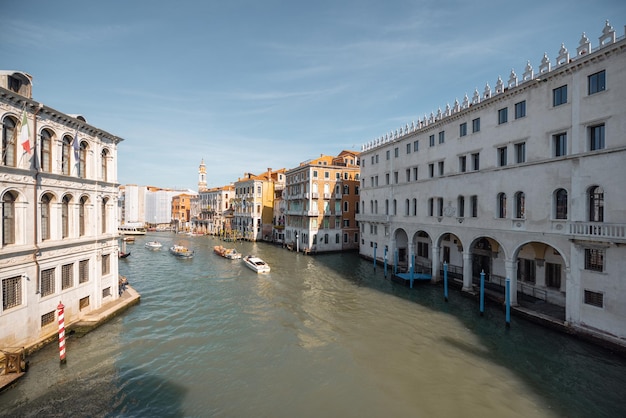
[[445, 281], [482, 292], [61, 310], [508, 302]]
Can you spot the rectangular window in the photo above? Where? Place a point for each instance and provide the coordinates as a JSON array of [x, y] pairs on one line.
[[396, 152], [503, 115], [387, 178], [597, 82], [594, 259], [47, 318], [47, 282], [83, 303], [387, 155], [520, 153], [408, 148], [431, 140], [415, 173], [594, 298], [520, 109], [431, 207], [476, 161], [408, 175], [596, 137], [11, 292], [442, 137], [461, 205], [474, 206], [106, 264], [440, 206], [502, 157], [416, 146], [462, 164], [559, 96], [395, 177], [440, 168], [106, 292], [67, 276], [422, 249], [431, 170], [560, 144], [463, 129], [476, 125]]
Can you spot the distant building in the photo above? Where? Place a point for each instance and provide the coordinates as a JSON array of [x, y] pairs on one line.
[[321, 202], [209, 207], [253, 205], [181, 211], [59, 240], [523, 182]]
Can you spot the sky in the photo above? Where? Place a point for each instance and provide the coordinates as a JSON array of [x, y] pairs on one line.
[[247, 85]]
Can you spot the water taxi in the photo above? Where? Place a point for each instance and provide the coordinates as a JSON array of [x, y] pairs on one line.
[[181, 252], [153, 245], [256, 264], [230, 253]]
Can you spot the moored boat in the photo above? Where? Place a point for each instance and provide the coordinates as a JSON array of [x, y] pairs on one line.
[[181, 252], [123, 254], [153, 245], [256, 264]]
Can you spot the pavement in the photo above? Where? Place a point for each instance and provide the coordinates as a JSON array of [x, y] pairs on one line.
[[97, 317]]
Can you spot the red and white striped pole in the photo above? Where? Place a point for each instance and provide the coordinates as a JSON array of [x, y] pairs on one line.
[[61, 308]]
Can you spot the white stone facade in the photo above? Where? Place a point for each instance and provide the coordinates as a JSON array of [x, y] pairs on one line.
[[59, 240], [524, 182]]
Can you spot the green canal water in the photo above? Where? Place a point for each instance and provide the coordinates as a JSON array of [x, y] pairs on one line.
[[320, 336]]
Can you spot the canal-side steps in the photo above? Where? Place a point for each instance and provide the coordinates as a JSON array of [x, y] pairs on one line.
[[95, 318]]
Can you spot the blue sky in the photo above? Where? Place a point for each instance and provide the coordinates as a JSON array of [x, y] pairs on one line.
[[248, 85]]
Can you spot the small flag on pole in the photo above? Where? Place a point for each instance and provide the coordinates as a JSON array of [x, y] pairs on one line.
[[25, 133]]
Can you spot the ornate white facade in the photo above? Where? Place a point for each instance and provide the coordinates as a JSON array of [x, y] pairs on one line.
[[524, 182], [59, 240]]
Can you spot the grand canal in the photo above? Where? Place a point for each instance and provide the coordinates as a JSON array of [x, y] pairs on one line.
[[320, 336]]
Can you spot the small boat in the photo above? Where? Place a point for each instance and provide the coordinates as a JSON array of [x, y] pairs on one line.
[[181, 252], [230, 253], [130, 240], [123, 254], [153, 245], [256, 264]]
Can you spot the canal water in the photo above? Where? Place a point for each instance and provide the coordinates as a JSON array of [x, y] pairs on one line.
[[320, 336]]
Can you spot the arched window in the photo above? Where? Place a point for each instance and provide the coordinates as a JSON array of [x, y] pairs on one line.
[[596, 204], [66, 149], [82, 219], [65, 217], [501, 205], [520, 205], [560, 204], [45, 151], [45, 216], [9, 141], [8, 218], [82, 160], [104, 164]]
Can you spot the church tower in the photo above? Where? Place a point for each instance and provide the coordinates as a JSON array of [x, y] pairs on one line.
[[202, 177]]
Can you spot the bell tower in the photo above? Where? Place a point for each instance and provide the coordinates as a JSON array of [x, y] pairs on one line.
[[202, 177]]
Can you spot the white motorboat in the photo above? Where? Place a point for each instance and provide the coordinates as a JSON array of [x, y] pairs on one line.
[[256, 264], [153, 245]]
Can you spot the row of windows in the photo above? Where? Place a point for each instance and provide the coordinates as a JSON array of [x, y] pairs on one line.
[[70, 149], [596, 83], [12, 288], [46, 217], [559, 149], [595, 198]]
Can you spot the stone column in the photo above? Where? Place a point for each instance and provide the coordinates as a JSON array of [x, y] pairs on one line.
[[467, 271], [435, 265], [510, 267]]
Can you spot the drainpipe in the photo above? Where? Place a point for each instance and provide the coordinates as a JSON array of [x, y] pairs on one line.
[[36, 178]]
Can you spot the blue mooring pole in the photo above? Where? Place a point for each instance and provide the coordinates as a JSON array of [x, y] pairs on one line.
[[375, 246], [445, 281], [385, 261], [508, 302], [482, 292]]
